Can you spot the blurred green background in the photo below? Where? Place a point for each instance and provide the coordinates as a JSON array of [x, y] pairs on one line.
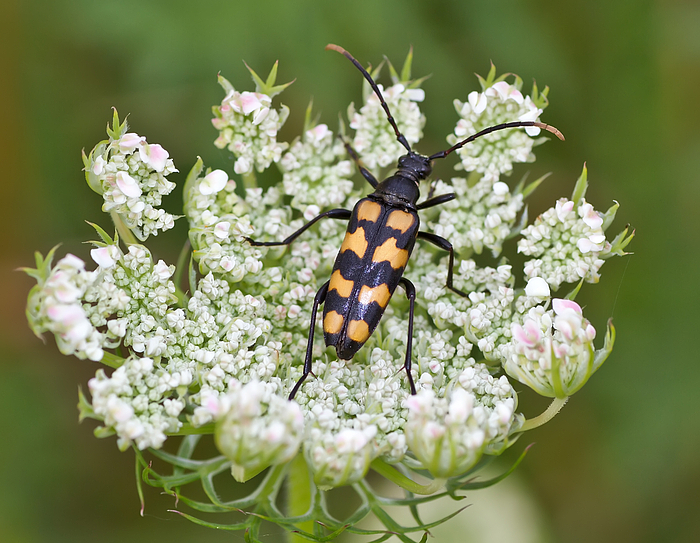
[[621, 461]]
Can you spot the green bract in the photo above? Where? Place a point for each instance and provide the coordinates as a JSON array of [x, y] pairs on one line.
[[213, 344]]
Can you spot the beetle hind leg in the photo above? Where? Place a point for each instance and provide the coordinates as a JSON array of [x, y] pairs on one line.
[[411, 295], [318, 300]]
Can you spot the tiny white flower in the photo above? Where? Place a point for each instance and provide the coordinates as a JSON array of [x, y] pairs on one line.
[[103, 257], [129, 142], [242, 166], [537, 287], [98, 167], [221, 230], [128, 185], [213, 182], [154, 155], [477, 101]]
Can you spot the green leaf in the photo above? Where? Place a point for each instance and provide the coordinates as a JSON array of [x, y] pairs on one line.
[[520, 225], [618, 245], [539, 98], [609, 215], [192, 176], [85, 409], [580, 187], [406, 70], [310, 123], [573, 293], [43, 266], [107, 240], [490, 78], [268, 87], [602, 354], [530, 188], [117, 130], [225, 84]]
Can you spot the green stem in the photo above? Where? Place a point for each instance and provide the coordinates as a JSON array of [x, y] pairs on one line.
[[386, 471], [188, 430], [179, 269], [299, 496], [546, 416], [249, 180], [112, 360], [124, 232]]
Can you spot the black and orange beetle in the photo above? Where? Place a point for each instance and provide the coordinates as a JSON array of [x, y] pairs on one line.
[[382, 231]]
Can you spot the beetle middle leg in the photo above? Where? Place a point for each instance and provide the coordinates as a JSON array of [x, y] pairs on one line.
[[339, 213], [445, 245]]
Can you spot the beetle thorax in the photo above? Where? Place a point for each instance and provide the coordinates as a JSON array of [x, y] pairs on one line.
[[398, 190]]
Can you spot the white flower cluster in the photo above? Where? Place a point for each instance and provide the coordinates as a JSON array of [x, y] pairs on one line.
[[131, 176], [56, 307], [569, 244], [256, 427], [374, 139], [219, 222], [248, 127], [449, 434], [552, 350], [313, 174], [341, 457], [229, 351], [481, 216], [139, 401], [495, 153]]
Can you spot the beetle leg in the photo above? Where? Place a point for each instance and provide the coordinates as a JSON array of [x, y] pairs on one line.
[[411, 295], [430, 202], [318, 300], [364, 171], [445, 245], [344, 214]]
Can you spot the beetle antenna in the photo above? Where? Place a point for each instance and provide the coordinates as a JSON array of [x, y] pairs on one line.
[[399, 136], [514, 124]]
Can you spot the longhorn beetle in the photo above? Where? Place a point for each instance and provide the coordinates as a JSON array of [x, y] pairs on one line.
[[381, 233]]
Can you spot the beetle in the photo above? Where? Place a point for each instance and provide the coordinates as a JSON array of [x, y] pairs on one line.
[[382, 230]]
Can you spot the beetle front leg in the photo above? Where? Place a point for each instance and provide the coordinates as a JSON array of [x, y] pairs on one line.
[[344, 214], [411, 295], [318, 300], [445, 245]]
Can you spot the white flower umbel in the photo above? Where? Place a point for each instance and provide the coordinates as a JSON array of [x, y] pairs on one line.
[[248, 126], [499, 102], [339, 458], [139, 401], [552, 350], [449, 435], [568, 243], [215, 345], [481, 216], [316, 170], [131, 175], [375, 140], [56, 305], [256, 428]]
